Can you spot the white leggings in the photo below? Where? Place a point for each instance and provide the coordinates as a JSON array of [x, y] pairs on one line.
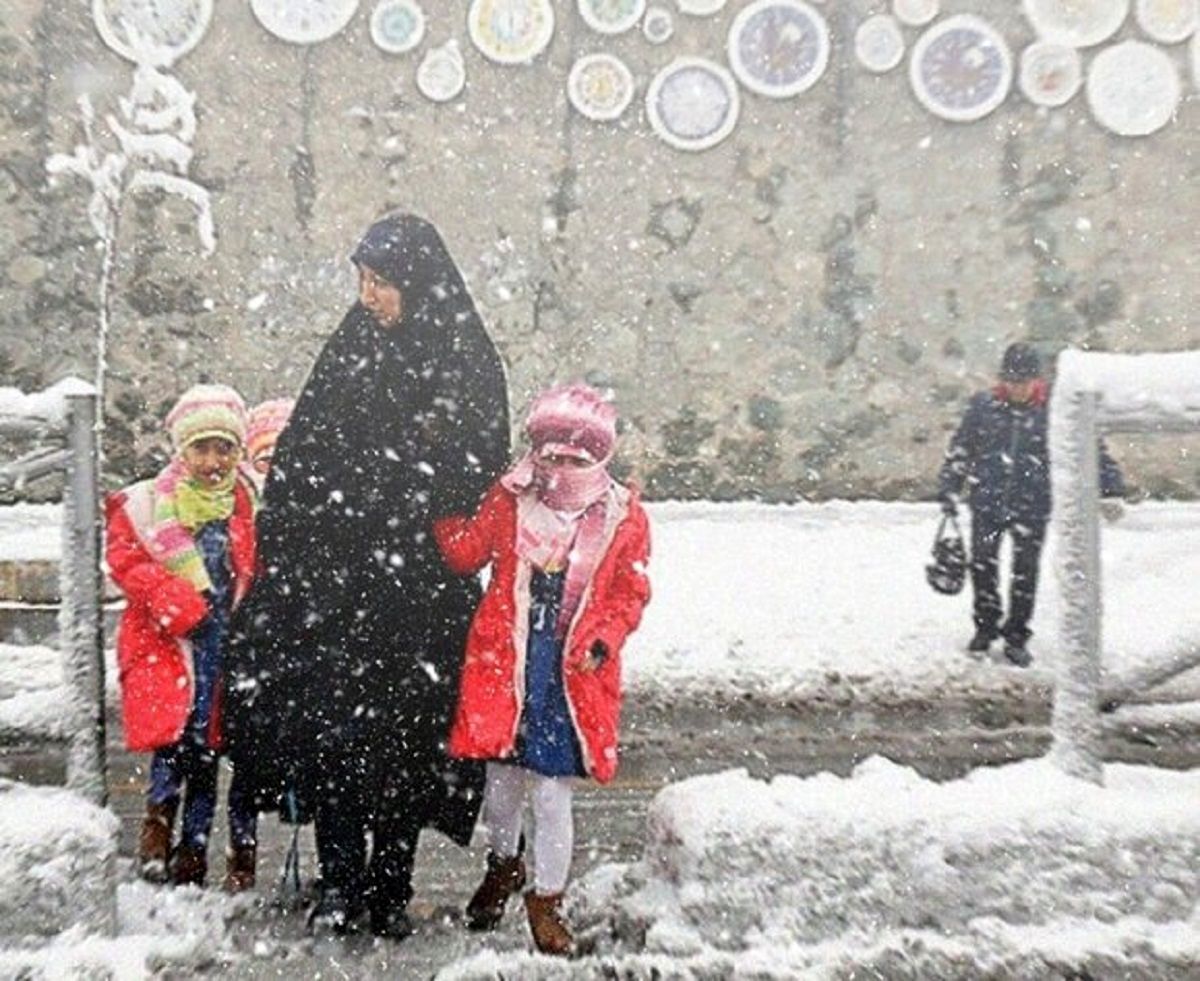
[[553, 826]]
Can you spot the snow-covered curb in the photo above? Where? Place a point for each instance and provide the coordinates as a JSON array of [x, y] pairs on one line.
[[58, 858], [1013, 871]]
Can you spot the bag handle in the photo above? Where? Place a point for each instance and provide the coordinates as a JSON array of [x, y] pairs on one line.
[[955, 531]]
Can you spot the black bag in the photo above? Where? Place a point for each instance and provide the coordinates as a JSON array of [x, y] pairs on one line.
[[948, 570]]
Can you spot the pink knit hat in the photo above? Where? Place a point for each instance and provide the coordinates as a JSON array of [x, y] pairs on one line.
[[266, 422], [204, 411], [572, 420]]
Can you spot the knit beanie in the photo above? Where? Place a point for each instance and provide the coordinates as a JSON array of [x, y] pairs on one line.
[[265, 423], [573, 419], [204, 411], [1021, 363]]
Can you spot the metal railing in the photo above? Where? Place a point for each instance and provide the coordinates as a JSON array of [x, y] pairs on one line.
[[1097, 394], [67, 432]]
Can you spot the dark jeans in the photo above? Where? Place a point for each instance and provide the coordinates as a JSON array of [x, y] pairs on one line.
[[1027, 539], [346, 811], [190, 767]]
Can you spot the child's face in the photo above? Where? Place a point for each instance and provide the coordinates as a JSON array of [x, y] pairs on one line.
[[212, 459], [562, 460], [262, 463]]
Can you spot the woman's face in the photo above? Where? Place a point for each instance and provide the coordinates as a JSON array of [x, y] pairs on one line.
[[382, 300]]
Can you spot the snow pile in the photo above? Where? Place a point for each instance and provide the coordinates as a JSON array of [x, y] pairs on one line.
[[57, 861], [1015, 871], [1135, 387], [180, 929], [49, 405]]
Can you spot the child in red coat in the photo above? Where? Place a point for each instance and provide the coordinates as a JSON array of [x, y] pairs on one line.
[[540, 692], [181, 547]]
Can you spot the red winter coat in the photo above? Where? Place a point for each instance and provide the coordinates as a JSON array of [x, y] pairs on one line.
[[492, 688], [154, 656]]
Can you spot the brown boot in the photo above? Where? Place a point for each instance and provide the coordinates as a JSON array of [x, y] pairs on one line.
[[239, 868], [154, 841], [550, 932], [505, 877], [189, 866]]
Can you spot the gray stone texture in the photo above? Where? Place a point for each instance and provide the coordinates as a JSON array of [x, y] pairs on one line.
[[799, 311]]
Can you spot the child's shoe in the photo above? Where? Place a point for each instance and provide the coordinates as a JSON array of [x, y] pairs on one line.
[[239, 868], [505, 877], [154, 842], [550, 932], [189, 866]]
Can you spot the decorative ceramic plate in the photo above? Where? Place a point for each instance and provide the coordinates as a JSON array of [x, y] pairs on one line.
[[611, 16], [442, 74], [511, 32], [167, 29], [1168, 21], [304, 21], [658, 26], [778, 48], [693, 103], [1076, 23], [1133, 88], [961, 69], [700, 8], [397, 26], [600, 86], [1050, 73], [915, 13], [879, 43]]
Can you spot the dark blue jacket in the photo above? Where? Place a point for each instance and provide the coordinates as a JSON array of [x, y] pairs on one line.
[[1000, 454]]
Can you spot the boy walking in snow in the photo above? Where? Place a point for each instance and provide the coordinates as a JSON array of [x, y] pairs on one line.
[[540, 693], [181, 547], [999, 455]]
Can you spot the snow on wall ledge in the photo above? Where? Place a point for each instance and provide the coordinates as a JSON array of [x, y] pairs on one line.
[[1144, 389], [57, 862], [49, 405], [805, 860]]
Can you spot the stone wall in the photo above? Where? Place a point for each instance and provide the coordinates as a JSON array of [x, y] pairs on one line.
[[800, 311]]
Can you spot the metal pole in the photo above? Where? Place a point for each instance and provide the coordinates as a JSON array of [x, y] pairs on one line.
[[80, 620], [1078, 732]]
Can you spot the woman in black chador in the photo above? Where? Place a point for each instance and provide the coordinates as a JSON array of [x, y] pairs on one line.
[[345, 662]]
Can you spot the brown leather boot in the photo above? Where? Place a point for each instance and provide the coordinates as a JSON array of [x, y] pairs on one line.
[[550, 932], [505, 877], [154, 841], [189, 866], [239, 868]]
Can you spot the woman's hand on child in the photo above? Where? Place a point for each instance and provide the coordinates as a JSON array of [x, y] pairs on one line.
[[596, 656]]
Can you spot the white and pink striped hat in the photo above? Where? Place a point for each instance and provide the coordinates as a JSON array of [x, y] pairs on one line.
[[572, 420], [204, 411]]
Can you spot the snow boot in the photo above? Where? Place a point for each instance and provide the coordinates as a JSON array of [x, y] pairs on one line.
[[551, 935], [505, 877], [1017, 654], [154, 841], [334, 913], [239, 868], [981, 642], [189, 866]]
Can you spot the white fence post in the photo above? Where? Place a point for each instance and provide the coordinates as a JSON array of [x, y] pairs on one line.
[[1078, 732], [80, 618]]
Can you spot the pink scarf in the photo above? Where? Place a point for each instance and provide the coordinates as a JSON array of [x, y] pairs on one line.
[[562, 512]]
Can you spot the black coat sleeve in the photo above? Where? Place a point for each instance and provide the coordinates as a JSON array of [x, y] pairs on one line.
[[959, 455], [1112, 483]]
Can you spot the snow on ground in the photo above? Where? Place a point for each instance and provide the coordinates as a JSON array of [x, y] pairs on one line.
[[57, 861], [1014, 871]]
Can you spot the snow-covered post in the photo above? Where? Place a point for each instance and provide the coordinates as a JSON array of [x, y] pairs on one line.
[[1078, 734], [79, 619]]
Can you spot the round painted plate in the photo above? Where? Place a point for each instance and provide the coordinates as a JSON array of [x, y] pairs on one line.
[[879, 43], [1076, 23], [961, 69], [600, 86], [1050, 73], [658, 26], [511, 32], [611, 16], [397, 26], [304, 21], [442, 74], [915, 13], [168, 29], [700, 8], [693, 103], [778, 48], [1133, 88], [1168, 21]]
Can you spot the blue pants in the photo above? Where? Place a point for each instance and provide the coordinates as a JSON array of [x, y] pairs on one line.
[[192, 767]]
